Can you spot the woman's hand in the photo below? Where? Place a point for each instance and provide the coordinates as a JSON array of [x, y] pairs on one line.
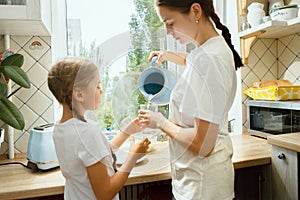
[[176, 57], [151, 119], [160, 57], [130, 126]]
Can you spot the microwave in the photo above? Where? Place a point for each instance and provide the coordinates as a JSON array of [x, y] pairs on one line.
[[266, 118]]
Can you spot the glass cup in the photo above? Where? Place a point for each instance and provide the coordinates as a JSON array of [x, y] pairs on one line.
[[151, 107]]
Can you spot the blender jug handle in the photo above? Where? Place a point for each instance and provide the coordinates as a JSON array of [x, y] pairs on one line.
[[153, 64]]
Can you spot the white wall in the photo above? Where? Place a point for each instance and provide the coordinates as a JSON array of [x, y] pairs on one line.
[[227, 11], [58, 40]]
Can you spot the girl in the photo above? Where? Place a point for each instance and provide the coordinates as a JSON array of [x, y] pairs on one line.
[[200, 146], [84, 153]]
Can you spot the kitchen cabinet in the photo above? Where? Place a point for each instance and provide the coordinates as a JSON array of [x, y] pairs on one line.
[[284, 173], [34, 18], [253, 183], [285, 165], [270, 29]]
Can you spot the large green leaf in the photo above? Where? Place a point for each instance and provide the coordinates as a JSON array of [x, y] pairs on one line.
[[10, 114], [17, 75], [3, 86], [15, 60]]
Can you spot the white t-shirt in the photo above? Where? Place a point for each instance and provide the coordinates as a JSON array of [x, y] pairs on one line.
[[78, 145], [205, 90]]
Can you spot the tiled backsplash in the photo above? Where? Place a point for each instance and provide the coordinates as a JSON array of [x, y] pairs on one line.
[[36, 103], [271, 59]]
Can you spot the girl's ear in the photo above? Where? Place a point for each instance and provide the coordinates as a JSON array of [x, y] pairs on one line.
[[196, 10], [78, 95]]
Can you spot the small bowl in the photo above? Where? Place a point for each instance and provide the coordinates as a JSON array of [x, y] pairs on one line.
[[284, 13], [149, 133]]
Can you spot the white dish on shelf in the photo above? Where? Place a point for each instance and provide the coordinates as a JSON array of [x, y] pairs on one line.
[[284, 13], [122, 156]]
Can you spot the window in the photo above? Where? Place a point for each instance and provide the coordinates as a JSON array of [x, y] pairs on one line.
[[118, 39]]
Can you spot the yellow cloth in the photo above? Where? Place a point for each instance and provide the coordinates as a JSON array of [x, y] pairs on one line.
[[274, 93]]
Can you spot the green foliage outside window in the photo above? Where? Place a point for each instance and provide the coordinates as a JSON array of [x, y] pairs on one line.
[[122, 98]]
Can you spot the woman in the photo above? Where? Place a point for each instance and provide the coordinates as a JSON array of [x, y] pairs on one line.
[[200, 146], [84, 153]]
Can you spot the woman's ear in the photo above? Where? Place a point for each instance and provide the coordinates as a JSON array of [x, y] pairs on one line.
[[196, 10], [78, 95]]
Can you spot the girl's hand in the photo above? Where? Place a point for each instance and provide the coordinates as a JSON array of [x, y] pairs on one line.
[[151, 119], [130, 126], [140, 149]]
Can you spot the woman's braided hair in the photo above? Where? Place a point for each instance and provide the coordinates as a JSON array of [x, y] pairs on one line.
[[208, 8], [67, 74]]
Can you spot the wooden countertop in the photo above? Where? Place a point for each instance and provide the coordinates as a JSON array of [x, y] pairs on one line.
[[289, 141], [250, 151], [18, 182]]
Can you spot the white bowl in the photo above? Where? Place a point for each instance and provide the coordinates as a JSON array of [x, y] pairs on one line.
[[284, 13]]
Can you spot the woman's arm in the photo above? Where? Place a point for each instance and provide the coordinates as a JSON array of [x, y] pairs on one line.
[[200, 139], [176, 57]]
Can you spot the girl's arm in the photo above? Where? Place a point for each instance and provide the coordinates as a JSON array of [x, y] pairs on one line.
[[118, 141], [130, 127], [106, 187]]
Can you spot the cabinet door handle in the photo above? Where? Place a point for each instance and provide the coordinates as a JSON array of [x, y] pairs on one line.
[[281, 156]]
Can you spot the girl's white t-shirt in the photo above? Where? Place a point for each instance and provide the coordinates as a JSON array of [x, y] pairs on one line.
[[206, 91], [78, 145]]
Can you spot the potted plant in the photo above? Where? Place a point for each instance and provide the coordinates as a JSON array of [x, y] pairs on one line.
[[10, 69]]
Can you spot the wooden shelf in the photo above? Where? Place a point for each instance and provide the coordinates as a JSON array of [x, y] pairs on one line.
[[270, 29]]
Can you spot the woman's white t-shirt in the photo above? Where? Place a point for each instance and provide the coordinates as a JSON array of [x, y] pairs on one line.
[[206, 91], [78, 145]]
